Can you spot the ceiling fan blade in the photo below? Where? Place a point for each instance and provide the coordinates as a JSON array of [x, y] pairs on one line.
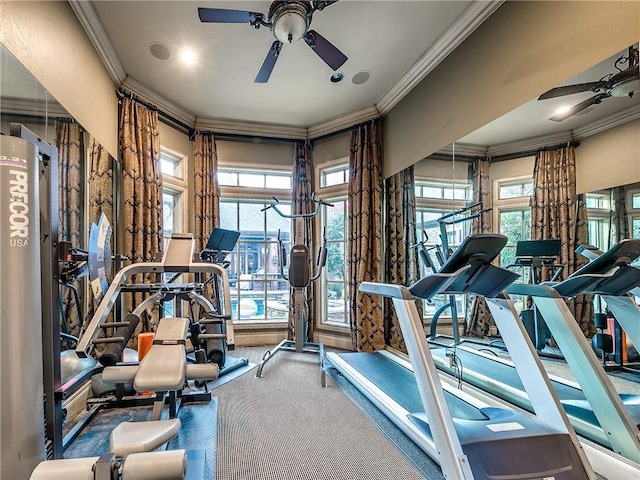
[[579, 107], [220, 15], [269, 63], [325, 49], [321, 5], [571, 89]]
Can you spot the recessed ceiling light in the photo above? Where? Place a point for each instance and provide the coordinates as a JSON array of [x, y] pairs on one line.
[[360, 77], [337, 77], [188, 56], [160, 51], [561, 110]]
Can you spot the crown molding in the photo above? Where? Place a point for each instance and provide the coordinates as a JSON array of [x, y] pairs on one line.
[[536, 143], [464, 25], [236, 127], [343, 122], [33, 108], [148, 95], [95, 31], [619, 118]]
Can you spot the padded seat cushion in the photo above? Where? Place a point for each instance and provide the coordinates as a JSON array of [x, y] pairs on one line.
[[137, 437]]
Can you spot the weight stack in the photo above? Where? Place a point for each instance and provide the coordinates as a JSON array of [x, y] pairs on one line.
[[21, 371]]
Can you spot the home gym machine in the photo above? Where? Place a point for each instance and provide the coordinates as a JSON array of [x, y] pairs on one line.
[[534, 256], [299, 277], [467, 437], [622, 323], [29, 305], [442, 253]]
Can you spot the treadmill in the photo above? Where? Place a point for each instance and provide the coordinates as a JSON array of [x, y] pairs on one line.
[[469, 439], [612, 276], [496, 375]]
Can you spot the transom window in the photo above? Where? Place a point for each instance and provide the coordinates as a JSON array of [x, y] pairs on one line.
[[515, 189], [173, 166], [254, 179], [331, 176], [443, 191]]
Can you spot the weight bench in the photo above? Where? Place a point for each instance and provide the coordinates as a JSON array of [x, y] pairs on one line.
[[163, 370]]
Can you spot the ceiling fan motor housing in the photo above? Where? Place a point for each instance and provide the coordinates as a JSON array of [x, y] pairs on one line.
[[290, 20]]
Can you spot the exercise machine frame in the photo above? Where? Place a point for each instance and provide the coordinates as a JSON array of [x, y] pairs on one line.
[[299, 278]]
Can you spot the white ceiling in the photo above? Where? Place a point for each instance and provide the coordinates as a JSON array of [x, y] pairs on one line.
[[531, 120], [395, 41]]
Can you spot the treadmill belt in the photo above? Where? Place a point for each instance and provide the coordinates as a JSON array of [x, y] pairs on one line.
[[573, 398], [400, 384], [502, 373]]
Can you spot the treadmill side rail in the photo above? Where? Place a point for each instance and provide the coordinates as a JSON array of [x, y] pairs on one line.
[[453, 461], [612, 415]]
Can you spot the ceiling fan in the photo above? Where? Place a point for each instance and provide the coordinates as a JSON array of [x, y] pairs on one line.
[[289, 21], [625, 83]]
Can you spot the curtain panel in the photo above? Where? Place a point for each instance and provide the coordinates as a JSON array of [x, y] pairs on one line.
[[401, 261], [365, 237], [207, 193], [480, 319], [141, 192], [100, 183], [68, 140], [301, 203], [558, 213], [620, 214]]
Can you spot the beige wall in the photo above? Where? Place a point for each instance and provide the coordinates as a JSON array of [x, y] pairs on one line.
[[523, 49], [442, 169], [48, 40], [331, 148], [609, 159], [258, 154]]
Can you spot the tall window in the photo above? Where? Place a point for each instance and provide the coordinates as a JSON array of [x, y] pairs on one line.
[[433, 200], [259, 294], [333, 292], [634, 213], [512, 211], [173, 166], [599, 219]]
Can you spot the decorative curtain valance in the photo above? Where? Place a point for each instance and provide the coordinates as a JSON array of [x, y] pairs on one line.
[[365, 237], [480, 319], [68, 140], [401, 261], [301, 203], [141, 190], [558, 213], [206, 194]]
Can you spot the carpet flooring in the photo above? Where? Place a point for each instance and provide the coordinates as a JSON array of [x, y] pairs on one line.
[[286, 426]]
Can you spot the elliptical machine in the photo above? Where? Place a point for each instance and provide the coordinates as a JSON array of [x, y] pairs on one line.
[[299, 277]]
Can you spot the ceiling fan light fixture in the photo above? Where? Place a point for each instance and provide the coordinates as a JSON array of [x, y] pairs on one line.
[[626, 88], [290, 27]]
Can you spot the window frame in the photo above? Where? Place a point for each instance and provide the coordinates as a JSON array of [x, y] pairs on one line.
[[178, 187], [245, 194], [332, 194]]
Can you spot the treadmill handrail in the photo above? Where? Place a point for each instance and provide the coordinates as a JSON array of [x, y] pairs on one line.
[[85, 344]]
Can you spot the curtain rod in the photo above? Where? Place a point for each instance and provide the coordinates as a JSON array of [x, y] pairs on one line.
[[162, 115], [530, 153], [341, 131]]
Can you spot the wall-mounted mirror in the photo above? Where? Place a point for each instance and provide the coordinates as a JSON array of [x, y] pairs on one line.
[[85, 178]]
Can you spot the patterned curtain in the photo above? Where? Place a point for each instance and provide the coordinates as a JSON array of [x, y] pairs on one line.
[[620, 214], [141, 191], [68, 139], [558, 213], [365, 237], [480, 318], [207, 194], [301, 203], [401, 262], [100, 183]]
